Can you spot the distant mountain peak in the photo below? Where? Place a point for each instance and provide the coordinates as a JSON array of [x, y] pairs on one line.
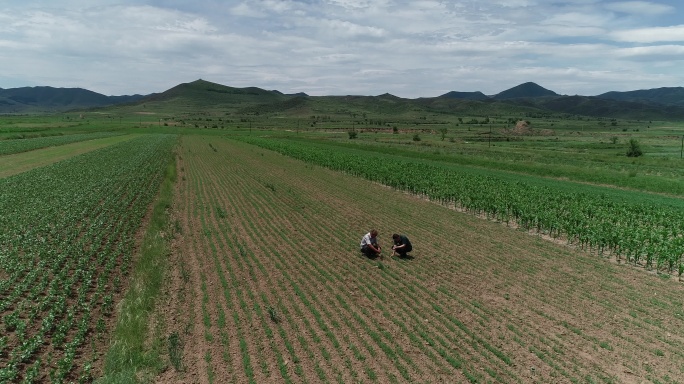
[[388, 95], [465, 95], [525, 90]]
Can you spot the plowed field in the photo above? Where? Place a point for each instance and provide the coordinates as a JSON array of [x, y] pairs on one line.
[[267, 285]]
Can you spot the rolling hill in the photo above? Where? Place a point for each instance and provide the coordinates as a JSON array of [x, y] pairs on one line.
[[667, 96], [202, 95], [50, 99]]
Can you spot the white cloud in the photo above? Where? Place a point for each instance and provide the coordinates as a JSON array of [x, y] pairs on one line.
[[408, 48], [334, 58], [180, 26], [353, 4], [341, 28], [653, 52], [577, 19], [247, 10], [639, 7], [516, 3], [650, 35]]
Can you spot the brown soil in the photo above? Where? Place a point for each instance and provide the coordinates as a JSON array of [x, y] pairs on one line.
[[267, 285]]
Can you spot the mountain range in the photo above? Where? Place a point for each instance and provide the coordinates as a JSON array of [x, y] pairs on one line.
[[50, 99], [659, 103]]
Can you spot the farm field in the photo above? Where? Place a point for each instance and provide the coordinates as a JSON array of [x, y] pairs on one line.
[[67, 244], [37, 157], [265, 281], [267, 285]]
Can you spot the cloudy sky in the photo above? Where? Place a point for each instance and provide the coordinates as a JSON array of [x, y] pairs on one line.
[[339, 47]]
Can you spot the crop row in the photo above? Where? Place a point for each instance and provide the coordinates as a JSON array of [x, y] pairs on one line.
[[299, 317], [475, 337], [66, 242], [641, 233], [8, 147], [350, 342], [280, 295]]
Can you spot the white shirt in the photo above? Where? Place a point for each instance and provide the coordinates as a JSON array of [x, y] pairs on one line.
[[367, 240]]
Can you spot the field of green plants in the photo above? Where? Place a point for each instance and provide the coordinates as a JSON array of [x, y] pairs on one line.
[[543, 254], [67, 242]]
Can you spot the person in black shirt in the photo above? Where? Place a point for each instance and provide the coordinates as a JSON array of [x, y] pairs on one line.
[[402, 245]]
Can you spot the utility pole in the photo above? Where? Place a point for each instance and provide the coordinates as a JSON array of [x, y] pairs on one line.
[[681, 154]]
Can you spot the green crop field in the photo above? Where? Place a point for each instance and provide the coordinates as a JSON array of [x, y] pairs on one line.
[[168, 243], [66, 246]]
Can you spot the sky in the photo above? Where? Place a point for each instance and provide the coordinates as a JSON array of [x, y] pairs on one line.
[[409, 49]]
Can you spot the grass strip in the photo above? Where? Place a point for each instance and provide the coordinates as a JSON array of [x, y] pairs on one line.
[[128, 360]]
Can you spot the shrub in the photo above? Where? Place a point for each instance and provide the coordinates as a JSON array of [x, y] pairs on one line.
[[634, 149]]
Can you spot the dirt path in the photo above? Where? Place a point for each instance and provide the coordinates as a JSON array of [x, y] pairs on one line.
[[268, 286]]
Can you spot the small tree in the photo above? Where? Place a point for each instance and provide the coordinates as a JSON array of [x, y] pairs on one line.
[[352, 134], [416, 137], [443, 131], [634, 149]]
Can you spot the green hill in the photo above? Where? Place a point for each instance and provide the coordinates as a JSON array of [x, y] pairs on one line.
[[666, 95], [202, 96], [599, 107], [525, 90], [465, 95], [50, 99]]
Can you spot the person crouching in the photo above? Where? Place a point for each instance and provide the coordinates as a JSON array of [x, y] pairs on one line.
[[369, 244], [402, 245]]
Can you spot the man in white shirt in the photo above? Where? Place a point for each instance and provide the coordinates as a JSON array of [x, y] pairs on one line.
[[369, 244]]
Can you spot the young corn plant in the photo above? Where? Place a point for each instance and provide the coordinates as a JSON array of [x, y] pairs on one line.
[[176, 351], [273, 314]]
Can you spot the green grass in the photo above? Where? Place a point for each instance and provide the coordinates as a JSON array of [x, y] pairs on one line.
[[21, 162]]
